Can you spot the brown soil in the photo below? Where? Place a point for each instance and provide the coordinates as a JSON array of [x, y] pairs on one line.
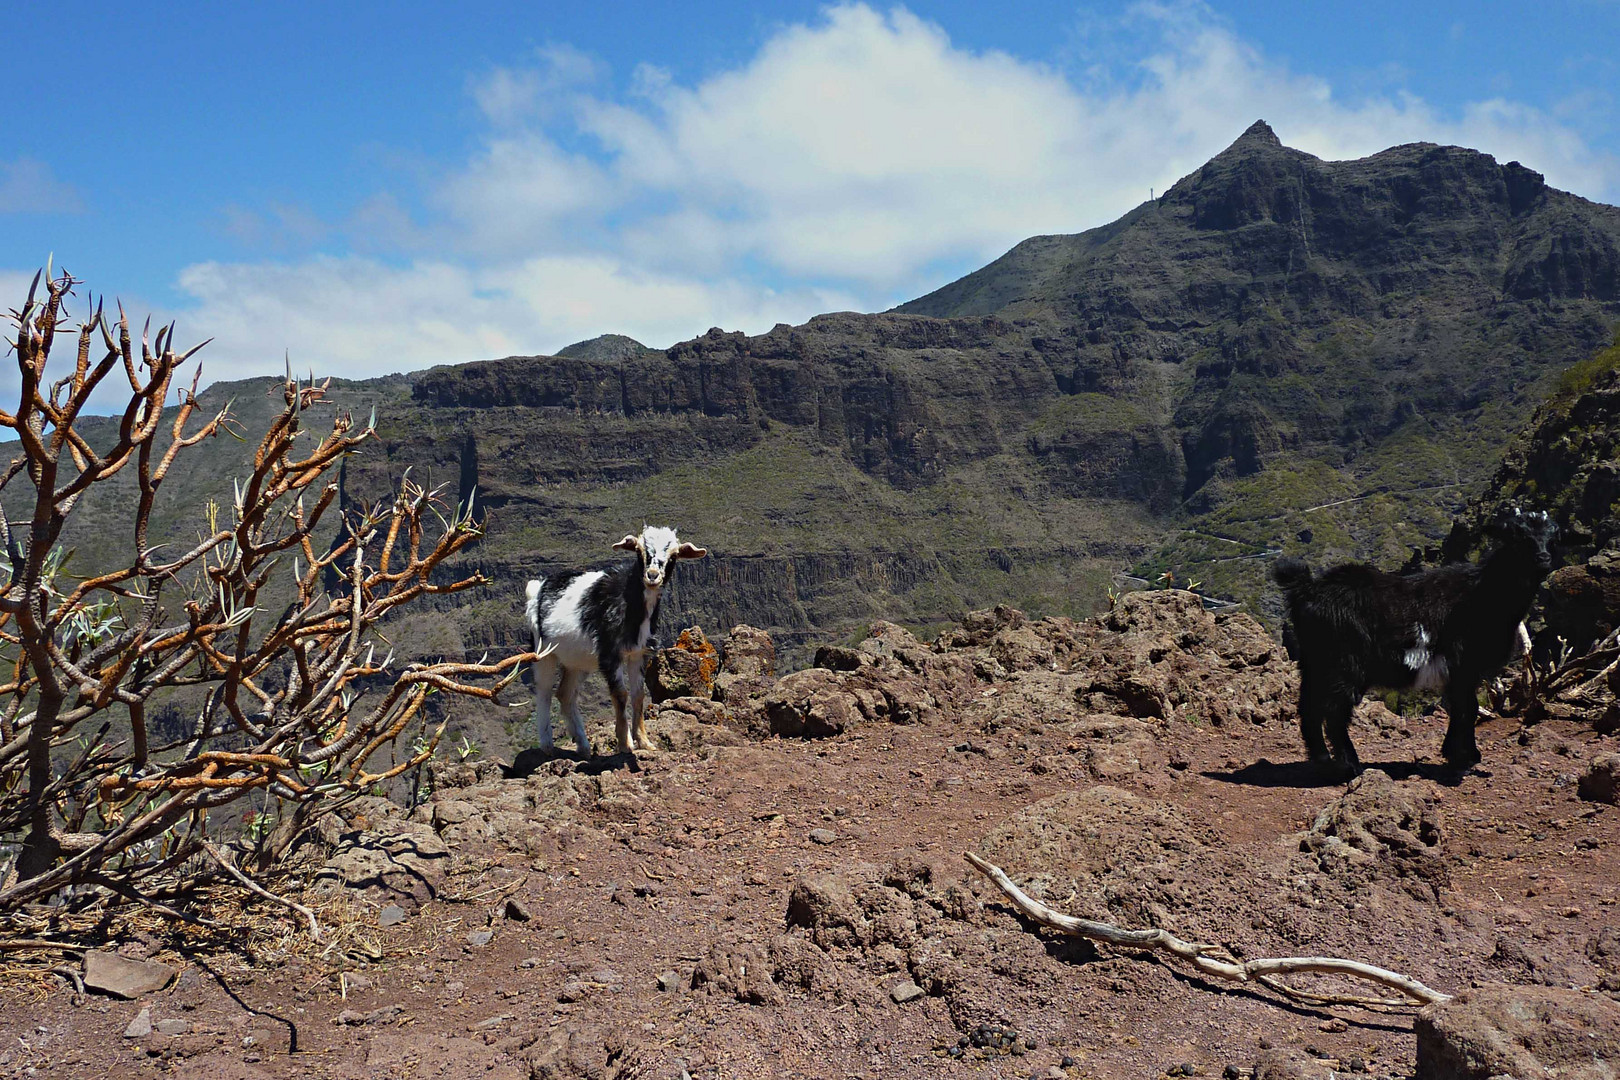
[[1141, 768]]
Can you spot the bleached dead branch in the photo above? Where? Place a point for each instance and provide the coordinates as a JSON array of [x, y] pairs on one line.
[[1212, 960]]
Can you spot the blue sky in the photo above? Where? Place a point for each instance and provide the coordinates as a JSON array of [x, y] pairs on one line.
[[384, 187]]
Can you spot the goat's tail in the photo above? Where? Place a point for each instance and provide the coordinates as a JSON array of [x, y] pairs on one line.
[[531, 606], [1290, 573]]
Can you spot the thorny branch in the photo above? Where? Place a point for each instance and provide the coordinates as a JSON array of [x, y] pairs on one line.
[[1211, 960], [293, 706]]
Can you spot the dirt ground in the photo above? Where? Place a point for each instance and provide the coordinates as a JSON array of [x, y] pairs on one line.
[[747, 904]]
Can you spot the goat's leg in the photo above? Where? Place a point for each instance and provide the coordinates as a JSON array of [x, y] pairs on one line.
[[638, 721], [1341, 703], [621, 701], [1460, 749], [568, 697], [621, 721], [637, 687], [1313, 707], [545, 677]]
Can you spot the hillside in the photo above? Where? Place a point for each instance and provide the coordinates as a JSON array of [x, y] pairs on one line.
[[1327, 331], [1567, 460], [1279, 353], [780, 890]]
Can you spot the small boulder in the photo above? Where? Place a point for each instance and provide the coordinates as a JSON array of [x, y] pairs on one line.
[[355, 1018], [1283, 1063], [748, 651], [122, 977], [685, 669], [814, 703], [740, 970], [1378, 824], [406, 861], [906, 991], [1520, 1031], [1601, 780]]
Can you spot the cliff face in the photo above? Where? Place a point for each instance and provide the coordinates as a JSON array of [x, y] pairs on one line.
[[852, 468], [903, 398]]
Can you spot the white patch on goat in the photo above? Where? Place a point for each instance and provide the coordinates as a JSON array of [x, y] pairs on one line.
[[531, 605], [1428, 671], [1418, 654], [564, 631], [1521, 642]]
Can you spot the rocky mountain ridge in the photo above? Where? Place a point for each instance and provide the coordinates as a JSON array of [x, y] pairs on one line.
[[1278, 354]]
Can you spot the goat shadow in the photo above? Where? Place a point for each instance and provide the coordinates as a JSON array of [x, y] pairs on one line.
[[1307, 774], [532, 760]]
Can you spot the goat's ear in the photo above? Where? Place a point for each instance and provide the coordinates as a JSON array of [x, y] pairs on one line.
[[690, 551], [629, 543]]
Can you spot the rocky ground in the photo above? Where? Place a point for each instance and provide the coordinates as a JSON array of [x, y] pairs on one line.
[[780, 890]]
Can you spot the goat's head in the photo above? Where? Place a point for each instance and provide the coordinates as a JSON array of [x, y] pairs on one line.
[[658, 548], [1530, 532]]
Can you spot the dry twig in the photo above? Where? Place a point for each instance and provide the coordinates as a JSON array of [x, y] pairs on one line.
[[259, 890], [1209, 960]]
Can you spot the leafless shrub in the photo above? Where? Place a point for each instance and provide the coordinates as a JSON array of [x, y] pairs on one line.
[[292, 705], [1563, 684]]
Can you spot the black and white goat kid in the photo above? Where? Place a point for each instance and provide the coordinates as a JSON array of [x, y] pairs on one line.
[[602, 620], [1448, 627]]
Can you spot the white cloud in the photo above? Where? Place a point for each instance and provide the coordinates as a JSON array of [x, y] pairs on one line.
[[27, 186], [523, 193], [358, 317], [508, 97], [842, 165], [867, 147]]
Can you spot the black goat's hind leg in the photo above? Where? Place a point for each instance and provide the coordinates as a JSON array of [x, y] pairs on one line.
[[1336, 719], [1313, 704], [1461, 749]]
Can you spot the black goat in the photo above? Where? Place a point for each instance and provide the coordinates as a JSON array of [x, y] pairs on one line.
[[602, 620], [1356, 627]]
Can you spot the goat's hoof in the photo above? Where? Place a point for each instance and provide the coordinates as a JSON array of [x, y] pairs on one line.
[[1339, 772]]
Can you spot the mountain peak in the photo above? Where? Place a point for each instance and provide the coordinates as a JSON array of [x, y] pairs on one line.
[[1259, 133], [607, 348]]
